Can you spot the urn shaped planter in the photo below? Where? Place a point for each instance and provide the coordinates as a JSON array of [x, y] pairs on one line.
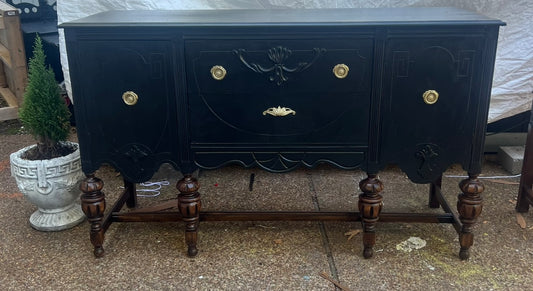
[[53, 186]]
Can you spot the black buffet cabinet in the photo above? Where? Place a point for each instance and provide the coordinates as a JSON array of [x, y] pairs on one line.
[[281, 89]]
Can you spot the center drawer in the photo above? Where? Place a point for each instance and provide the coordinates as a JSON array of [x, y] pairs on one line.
[[279, 91]]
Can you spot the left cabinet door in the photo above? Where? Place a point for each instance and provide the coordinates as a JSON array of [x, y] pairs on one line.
[[125, 105]]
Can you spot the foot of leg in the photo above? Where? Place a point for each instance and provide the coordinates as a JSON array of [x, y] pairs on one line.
[[93, 205], [189, 205], [370, 203], [469, 206]]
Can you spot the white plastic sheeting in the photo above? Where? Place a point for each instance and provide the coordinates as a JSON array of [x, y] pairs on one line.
[[512, 90]]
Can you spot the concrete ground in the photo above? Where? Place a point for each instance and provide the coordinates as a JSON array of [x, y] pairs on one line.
[[268, 255]]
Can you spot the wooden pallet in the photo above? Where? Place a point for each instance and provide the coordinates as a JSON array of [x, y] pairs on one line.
[[13, 70]]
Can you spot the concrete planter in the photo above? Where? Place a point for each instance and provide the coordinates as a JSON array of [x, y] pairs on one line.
[[53, 186]]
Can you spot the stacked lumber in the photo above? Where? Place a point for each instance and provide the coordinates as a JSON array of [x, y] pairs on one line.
[[13, 69]]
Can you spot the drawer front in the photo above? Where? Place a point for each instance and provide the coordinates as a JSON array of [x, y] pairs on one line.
[[432, 102], [279, 91], [135, 136]]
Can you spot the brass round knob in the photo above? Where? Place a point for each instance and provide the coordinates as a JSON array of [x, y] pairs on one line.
[[341, 71], [130, 98], [218, 72], [430, 97]]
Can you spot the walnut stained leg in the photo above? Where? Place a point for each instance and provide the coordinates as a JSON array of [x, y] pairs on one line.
[[433, 201], [370, 204], [469, 206], [189, 205], [93, 205]]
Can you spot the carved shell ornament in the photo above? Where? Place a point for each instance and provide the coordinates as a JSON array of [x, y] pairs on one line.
[[278, 56], [279, 111], [427, 155]]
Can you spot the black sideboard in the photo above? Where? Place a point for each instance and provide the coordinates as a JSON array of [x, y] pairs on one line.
[[281, 89]]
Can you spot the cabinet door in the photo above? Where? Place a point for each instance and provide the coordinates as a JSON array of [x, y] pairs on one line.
[[425, 135], [133, 137]]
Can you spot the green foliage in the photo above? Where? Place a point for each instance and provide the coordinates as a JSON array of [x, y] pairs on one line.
[[44, 112]]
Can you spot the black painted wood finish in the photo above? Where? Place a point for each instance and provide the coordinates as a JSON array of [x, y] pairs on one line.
[[374, 116]]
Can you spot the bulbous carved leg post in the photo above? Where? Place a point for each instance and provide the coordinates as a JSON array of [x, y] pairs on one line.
[[370, 203], [469, 206], [189, 205], [93, 205]]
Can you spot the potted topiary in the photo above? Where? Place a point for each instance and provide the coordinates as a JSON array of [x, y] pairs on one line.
[[49, 172]]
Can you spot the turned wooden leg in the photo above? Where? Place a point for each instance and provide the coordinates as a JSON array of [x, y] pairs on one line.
[[370, 203], [93, 205], [433, 201], [189, 205], [469, 206], [132, 194]]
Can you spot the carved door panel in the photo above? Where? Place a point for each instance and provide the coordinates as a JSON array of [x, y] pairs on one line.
[[430, 102], [139, 134]]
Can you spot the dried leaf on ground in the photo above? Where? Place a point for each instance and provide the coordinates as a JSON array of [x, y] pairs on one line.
[[520, 220], [11, 195], [350, 234], [4, 165], [278, 241]]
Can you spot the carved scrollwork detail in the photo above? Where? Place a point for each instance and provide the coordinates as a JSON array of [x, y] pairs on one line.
[[276, 162], [136, 162], [278, 55], [137, 152], [427, 155]]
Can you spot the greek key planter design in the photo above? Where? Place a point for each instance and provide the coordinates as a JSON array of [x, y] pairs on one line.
[[53, 186]]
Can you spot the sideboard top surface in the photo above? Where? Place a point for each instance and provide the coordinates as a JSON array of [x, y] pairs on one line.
[[281, 17]]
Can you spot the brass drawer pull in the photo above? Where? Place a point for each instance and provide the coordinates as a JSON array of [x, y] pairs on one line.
[[218, 72], [279, 111], [341, 71], [130, 98], [430, 97]]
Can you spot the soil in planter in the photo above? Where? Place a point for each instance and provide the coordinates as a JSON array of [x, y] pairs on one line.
[[61, 150]]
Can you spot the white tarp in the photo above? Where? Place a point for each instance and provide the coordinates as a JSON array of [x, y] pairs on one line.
[[512, 90]]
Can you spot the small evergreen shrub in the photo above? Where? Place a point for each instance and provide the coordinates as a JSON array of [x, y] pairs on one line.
[[44, 113]]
